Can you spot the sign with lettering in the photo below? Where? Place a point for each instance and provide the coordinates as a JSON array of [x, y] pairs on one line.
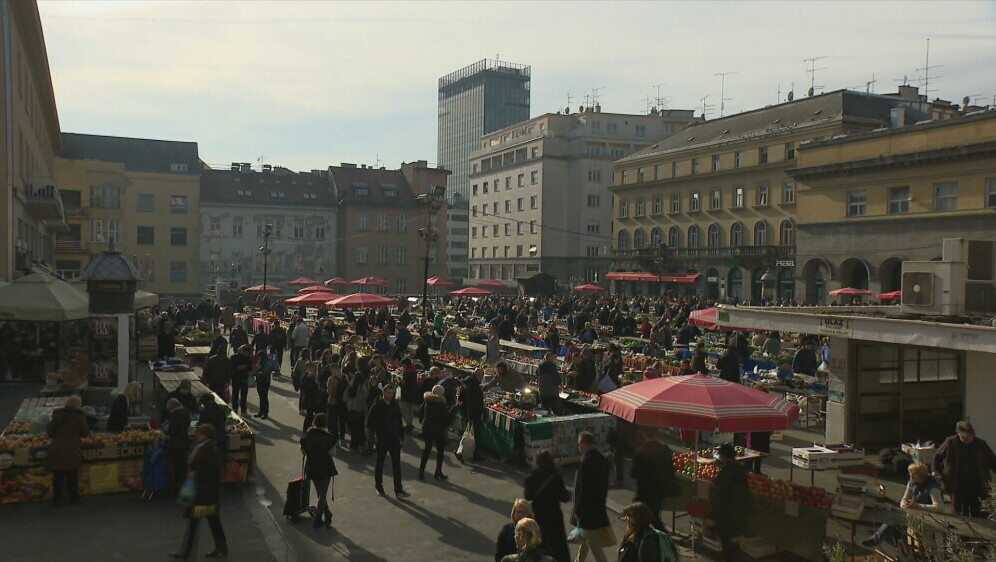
[[103, 477], [834, 326], [784, 263]]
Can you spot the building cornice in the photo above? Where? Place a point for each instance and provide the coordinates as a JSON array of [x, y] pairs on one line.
[[890, 162]]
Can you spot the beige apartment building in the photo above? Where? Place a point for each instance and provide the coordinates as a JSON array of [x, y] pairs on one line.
[[713, 209], [30, 204], [538, 197], [142, 196]]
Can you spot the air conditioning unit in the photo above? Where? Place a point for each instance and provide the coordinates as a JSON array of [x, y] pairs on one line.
[[934, 288]]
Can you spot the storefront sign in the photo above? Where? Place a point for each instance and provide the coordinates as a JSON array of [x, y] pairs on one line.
[[784, 263], [712, 279], [103, 478], [833, 326]]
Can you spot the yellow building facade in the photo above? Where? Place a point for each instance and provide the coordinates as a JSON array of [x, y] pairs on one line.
[[141, 195], [714, 207], [30, 206], [868, 202]]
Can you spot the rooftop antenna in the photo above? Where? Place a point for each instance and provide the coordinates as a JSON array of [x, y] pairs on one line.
[[706, 106], [778, 96], [926, 71], [260, 161], [377, 164], [648, 100], [595, 95], [812, 73], [722, 91], [870, 85], [791, 94], [660, 101]]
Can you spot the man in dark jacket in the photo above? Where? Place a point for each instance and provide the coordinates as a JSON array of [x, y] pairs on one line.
[[653, 470], [218, 373], [237, 338], [384, 420], [963, 463], [241, 368], [473, 400], [178, 440], [549, 377], [261, 341], [591, 489], [278, 341], [219, 345], [805, 361], [212, 413], [182, 395]]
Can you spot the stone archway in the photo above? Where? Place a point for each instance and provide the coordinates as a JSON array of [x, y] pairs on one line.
[[855, 273], [890, 275], [815, 275]]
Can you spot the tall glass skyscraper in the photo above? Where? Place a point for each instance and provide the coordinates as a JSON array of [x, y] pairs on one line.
[[474, 101]]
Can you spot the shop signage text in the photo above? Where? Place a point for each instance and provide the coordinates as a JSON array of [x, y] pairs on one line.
[[832, 326]]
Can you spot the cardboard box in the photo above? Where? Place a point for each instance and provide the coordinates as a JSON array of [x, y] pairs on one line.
[[813, 458], [848, 455], [919, 453], [848, 506]]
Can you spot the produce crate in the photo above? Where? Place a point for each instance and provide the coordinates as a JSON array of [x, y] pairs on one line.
[[848, 506], [814, 458], [847, 455]]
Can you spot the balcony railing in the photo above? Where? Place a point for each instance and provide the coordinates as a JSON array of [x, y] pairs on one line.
[[70, 246], [44, 201], [706, 251]]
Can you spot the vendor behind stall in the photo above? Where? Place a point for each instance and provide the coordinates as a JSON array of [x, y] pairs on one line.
[[183, 396], [506, 379]]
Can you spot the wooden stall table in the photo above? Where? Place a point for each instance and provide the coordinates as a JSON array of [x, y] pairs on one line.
[[521, 347], [196, 354], [53, 402], [474, 347], [197, 388], [168, 381]]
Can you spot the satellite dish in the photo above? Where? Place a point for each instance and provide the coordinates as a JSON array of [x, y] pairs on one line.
[[791, 96], [567, 110], [965, 100], [811, 92], [580, 109]]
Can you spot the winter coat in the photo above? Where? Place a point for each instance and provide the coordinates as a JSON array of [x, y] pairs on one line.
[[946, 461], [205, 462], [385, 421], [653, 470], [312, 398], [178, 433], [729, 367], [437, 416], [218, 371], [730, 501], [317, 446], [409, 384], [591, 489], [646, 548], [356, 395], [66, 430], [546, 491], [473, 398], [241, 367], [214, 414], [505, 543]]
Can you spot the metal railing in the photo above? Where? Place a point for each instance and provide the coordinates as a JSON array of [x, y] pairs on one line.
[[762, 251]]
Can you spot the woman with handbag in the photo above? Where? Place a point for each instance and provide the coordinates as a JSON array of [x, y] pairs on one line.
[[318, 446], [546, 490], [204, 476], [436, 421]]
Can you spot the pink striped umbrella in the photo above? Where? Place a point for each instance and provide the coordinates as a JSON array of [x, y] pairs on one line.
[[312, 299], [314, 289], [700, 402]]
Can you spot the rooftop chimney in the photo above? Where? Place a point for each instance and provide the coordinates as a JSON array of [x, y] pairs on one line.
[[908, 92], [897, 117]]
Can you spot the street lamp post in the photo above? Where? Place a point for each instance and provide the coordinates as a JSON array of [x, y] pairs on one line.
[[265, 248], [433, 201]]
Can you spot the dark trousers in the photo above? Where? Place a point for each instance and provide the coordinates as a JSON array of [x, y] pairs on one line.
[[383, 449], [263, 389], [551, 402], [337, 421], [729, 549], [179, 459], [68, 479], [322, 495], [440, 442], [356, 437], [240, 391], [309, 416], [217, 533], [968, 504]]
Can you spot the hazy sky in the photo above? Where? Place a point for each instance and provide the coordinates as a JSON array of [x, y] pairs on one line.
[[308, 84]]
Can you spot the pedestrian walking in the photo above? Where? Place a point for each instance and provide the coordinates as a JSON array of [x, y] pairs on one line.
[[546, 490], [653, 470], [409, 392], [241, 369], [278, 342], [178, 439], [205, 466], [65, 453], [264, 373], [591, 489], [963, 463], [356, 406], [436, 419], [730, 500], [310, 394], [385, 423], [473, 400], [318, 446]]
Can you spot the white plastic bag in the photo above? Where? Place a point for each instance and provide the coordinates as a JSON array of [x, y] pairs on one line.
[[467, 443]]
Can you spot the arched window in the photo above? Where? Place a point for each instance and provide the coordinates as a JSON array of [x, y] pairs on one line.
[[655, 238], [693, 236], [623, 240], [713, 235], [673, 237], [638, 239], [735, 284], [786, 233], [761, 233], [737, 234]]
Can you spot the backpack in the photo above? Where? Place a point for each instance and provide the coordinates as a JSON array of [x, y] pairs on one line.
[[668, 552]]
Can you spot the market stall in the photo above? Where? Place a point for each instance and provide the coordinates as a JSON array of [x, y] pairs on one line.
[[112, 462]]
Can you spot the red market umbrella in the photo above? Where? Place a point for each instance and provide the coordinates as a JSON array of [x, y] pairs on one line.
[[302, 282], [361, 300], [439, 282], [371, 282], [264, 289], [314, 289], [492, 284], [709, 318], [471, 292], [338, 282], [589, 288], [312, 299], [849, 292], [893, 296], [700, 402]]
